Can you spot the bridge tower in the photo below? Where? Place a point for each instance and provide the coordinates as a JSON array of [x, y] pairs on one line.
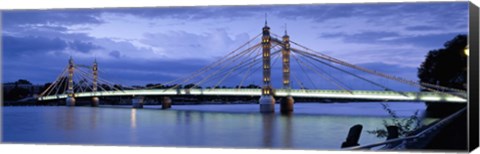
[[95, 100], [70, 101], [286, 105], [267, 102]]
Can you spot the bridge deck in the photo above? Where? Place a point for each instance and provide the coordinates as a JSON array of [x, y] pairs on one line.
[[310, 93]]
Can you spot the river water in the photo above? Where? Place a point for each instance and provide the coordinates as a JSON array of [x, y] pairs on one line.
[[312, 126]]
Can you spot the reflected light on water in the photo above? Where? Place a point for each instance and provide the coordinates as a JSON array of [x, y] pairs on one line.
[[268, 120], [133, 118], [311, 126], [287, 131]]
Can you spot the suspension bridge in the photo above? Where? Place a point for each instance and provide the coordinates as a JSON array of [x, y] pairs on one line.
[[243, 64]]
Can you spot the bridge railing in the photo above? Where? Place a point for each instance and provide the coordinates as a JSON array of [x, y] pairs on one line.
[[418, 140], [341, 94]]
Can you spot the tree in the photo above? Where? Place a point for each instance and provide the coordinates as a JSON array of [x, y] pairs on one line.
[[190, 85], [45, 86], [447, 66], [23, 81], [155, 86], [16, 93]]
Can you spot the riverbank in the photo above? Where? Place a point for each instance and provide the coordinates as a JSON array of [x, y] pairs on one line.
[[452, 137]]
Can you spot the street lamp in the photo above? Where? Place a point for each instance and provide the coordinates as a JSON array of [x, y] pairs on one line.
[[466, 51]]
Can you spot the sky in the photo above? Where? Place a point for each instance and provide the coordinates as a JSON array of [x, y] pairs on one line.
[[136, 46]]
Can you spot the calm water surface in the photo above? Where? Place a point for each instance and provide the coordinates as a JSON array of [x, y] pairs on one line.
[[312, 126]]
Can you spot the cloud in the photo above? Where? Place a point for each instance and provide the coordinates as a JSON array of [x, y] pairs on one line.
[[193, 13], [151, 45], [115, 53], [364, 37], [31, 44], [190, 45], [403, 19], [125, 48], [376, 11], [56, 17], [39, 45], [84, 47], [421, 28]]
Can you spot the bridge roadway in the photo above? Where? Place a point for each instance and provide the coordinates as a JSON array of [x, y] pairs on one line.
[[295, 93]]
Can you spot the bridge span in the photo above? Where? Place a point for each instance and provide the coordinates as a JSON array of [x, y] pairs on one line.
[[297, 93]]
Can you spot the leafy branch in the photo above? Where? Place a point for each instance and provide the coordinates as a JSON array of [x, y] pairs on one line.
[[405, 125]]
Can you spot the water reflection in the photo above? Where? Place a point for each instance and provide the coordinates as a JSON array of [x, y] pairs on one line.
[[69, 118], [111, 126], [133, 118], [178, 117], [268, 120], [287, 133], [93, 118]]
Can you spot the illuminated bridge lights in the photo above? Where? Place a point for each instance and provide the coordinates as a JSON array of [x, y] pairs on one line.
[[310, 93]]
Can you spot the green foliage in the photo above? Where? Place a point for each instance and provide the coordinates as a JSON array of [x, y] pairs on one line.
[[405, 125], [446, 66]]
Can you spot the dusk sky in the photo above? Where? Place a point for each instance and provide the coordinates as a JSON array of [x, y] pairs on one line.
[[136, 46]]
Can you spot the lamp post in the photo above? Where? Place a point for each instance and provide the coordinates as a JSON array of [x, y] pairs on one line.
[[466, 51]]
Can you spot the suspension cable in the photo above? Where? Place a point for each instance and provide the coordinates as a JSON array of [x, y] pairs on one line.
[[229, 59], [325, 72], [255, 58], [76, 78], [236, 67], [320, 74], [62, 81], [222, 67], [222, 59], [344, 71], [87, 76], [308, 77], [413, 83], [99, 85], [249, 72], [50, 86]]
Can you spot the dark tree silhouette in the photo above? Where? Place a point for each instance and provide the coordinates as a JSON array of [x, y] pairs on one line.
[[446, 66], [45, 86], [23, 81], [16, 94], [191, 85], [155, 85]]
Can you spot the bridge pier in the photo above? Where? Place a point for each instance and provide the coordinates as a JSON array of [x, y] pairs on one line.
[[166, 103], [286, 104], [95, 101], [267, 104], [137, 102], [70, 101]]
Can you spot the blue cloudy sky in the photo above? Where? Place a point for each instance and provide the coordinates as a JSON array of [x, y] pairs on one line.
[[136, 46]]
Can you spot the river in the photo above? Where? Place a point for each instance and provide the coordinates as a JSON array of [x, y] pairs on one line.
[[311, 126]]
